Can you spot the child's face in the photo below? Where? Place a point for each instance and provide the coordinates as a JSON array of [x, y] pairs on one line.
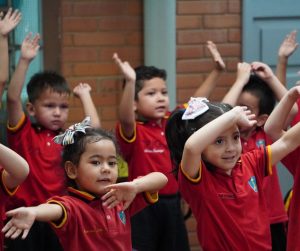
[[50, 109], [97, 167], [249, 100], [225, 151], [153, 99]]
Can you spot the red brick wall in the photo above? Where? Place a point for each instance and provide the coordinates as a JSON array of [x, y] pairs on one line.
[[92, 30]]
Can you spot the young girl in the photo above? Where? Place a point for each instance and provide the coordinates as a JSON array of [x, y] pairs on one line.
[[93, 215], [221, 185], [13, 171]]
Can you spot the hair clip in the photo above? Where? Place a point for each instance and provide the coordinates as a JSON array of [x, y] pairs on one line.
[[196, 107], [67, 137]]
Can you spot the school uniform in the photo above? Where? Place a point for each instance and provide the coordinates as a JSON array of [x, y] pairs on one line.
[[160, 225], [88, 225], [46, 179], [230, 210]]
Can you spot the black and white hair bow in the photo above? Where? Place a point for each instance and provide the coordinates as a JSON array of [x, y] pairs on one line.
[[67, 137]]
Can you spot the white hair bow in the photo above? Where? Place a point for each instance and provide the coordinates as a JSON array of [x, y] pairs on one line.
[[196, 107], [67, 137]]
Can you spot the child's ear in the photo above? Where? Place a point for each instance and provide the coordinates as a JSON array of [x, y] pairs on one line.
[[30, 109], [261, 119], [71, 170]]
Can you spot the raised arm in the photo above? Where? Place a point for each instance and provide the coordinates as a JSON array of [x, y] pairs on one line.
[[242, 78], [275, 124], [15, 167], [203, 137], [126, 191], [7, 24], [126, 107], [29, 50], [286, 49], [209, 84], [83, 92], [23, 218]]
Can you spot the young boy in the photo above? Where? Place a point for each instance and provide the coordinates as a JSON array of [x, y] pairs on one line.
[[275, 127], [141, 135], [257, 88], [48, 103]]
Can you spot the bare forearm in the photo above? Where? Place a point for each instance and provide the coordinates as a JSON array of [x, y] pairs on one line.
[[48, 212], [208, 85], [3, 59], [151, 182], [233, 94], [89, 109], [281, 69], [126, 110]]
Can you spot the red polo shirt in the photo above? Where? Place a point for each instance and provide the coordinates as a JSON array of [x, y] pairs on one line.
[[147, 152], [292, 163], [271, 186], [230, 211], [87, 225], [46, 177]]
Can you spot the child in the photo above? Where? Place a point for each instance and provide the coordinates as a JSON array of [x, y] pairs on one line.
[[144, 148], [222, 186], [257, 88], [274, 128], [13, 171], [48, 104], [96, 213], [7, 24]]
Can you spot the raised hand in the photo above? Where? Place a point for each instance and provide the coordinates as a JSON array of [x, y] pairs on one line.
[[30, 47], [262, 70], [246, 119], [243, 72], [124, 192], [125, 68], [10, 21], [289, 45], [82, 89], [216, 56], [20, 223]]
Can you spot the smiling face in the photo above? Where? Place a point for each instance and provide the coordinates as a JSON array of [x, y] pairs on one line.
[[50, 109], [153, 100], [225, 151], [97, 167]]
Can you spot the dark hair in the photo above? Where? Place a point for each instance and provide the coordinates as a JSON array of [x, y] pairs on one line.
[[73, 152], [146, 73], [178, 130], [42, 81], [260, 89]]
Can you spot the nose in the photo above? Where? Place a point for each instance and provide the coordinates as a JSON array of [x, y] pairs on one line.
[[104, 168], [230, 146], [57, 111]]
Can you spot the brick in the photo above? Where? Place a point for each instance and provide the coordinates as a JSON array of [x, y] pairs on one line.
[[120, 23], [189, 80], [234, 35], [194, 66], [99, 8], [130, 53], [201, 7], [79, 24], [201, 36], [67, 9], [222, 21], [184, 52], [109, 112], [94, 69], [79, 54], [97, 39], [234, 6], [227, 50], [67, 39], [188, 22]]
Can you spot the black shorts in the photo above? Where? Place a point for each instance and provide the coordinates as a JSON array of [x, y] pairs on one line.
[[41, 237], [160, 227]]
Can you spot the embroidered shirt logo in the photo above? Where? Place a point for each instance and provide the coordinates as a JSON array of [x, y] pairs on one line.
[[252, 183], [260, 142], [122, 217]]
